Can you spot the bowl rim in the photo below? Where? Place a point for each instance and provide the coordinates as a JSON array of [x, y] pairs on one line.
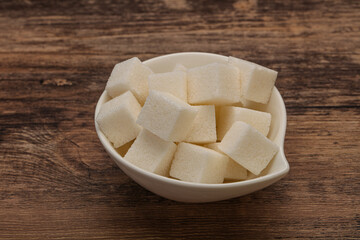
[[117, 157]]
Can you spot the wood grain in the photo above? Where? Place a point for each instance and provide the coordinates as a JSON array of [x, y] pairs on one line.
[[56, 181]]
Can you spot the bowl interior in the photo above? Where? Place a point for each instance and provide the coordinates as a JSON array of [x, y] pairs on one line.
[[278, 166]]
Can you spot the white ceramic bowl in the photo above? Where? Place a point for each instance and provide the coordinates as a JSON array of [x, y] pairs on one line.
[[198, 192]]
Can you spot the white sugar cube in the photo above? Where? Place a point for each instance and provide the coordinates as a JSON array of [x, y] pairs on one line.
[[167, 116], [193, 163], [250, 104], [180, 67], [130, 75], [257, 82], [213, 84], [117, 119], [248, 147], [151, 153], [203, 129], [171, 82], [228, 115], [234, 171]]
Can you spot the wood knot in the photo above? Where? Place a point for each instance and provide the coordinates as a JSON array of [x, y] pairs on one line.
[[57, 82]]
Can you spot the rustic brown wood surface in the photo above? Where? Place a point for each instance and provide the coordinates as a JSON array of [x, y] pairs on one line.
[[57, 182]]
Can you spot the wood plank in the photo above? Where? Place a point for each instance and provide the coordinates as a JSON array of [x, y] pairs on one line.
[[299, 44], [63, 183]]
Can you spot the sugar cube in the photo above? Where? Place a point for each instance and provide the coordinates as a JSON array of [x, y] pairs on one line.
[[257, 82], [248, 104], [248, 147], [213, 84], [193, 163], [167, 116], [228, 115], [151, 153], [234, 171], [130, 75], [172, 82], [117, 119], [180, 67], [203, 129]]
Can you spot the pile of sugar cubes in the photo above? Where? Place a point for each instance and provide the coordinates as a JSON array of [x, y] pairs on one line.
[[191, 124]]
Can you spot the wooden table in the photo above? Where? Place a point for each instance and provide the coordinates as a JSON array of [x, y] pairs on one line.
[[57, 182]]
